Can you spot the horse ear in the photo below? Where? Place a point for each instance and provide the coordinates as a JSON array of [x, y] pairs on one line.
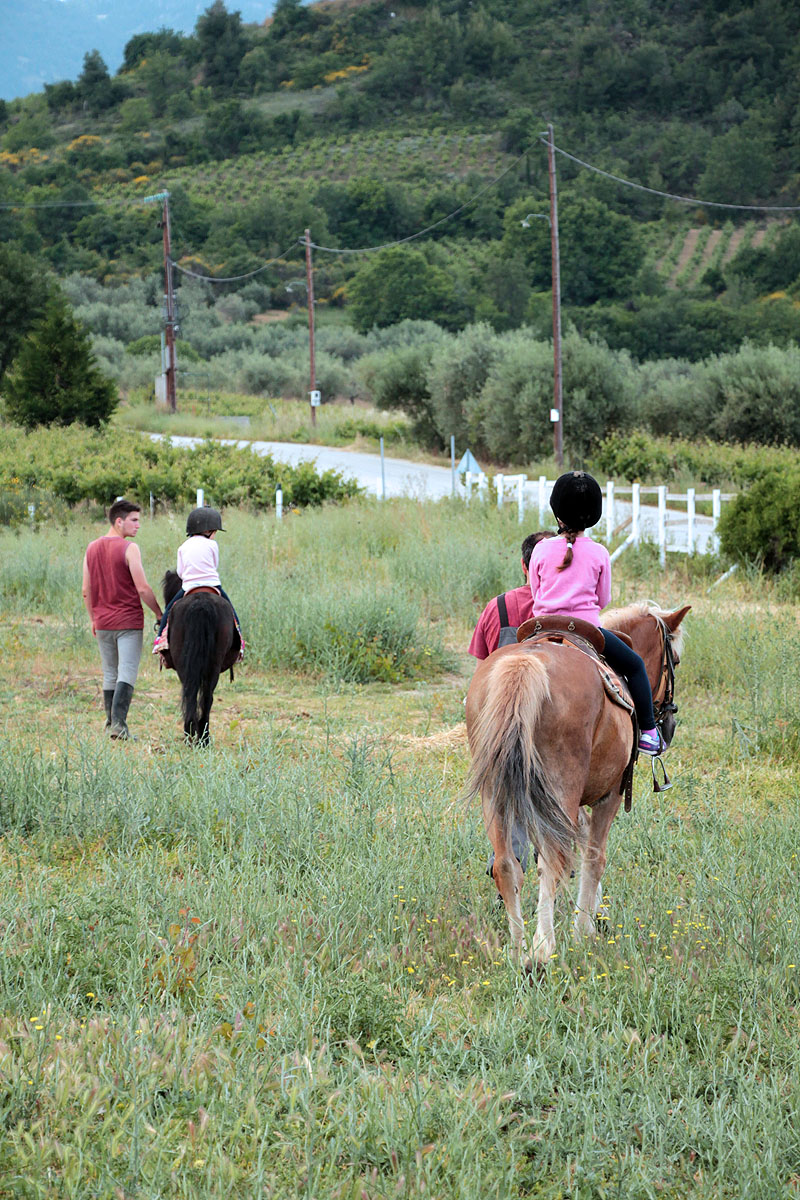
[[673, 620]]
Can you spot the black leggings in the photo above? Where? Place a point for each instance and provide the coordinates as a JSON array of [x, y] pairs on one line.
[[620, 656]]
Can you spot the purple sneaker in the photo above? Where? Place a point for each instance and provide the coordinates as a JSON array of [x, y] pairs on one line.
[[651, 742]]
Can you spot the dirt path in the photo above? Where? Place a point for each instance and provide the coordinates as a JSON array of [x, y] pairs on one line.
[[737, 237], [708, 250], [686, 253]]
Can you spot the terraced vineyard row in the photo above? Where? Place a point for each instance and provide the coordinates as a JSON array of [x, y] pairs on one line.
[[685, 256], [436, 155]]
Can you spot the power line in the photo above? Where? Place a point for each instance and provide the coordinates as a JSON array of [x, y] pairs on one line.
[[670, 195], [422, 232], [235, 278]]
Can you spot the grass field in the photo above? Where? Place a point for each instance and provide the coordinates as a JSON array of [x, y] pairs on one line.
[[276, 968]]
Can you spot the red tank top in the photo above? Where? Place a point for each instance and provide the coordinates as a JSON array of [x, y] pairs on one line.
[[114, 598]]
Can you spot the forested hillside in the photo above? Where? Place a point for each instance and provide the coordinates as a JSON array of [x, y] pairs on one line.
[[369, 125]]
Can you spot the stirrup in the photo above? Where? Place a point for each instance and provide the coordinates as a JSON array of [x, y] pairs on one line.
[[665, 783]]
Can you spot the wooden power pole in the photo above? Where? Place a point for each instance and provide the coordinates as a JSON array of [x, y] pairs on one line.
[[557, 413], [169, 315], [170, 319], [313, 391]]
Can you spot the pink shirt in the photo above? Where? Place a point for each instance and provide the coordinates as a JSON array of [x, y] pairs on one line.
[[198, 560], [581, 590], [487, 631]]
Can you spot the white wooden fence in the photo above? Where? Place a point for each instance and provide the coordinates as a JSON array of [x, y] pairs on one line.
[[680, 530]]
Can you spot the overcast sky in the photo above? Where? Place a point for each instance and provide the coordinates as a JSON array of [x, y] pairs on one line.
[[45, 40]]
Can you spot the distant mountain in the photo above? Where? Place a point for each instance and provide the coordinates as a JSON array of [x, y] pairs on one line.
[[45, 40]]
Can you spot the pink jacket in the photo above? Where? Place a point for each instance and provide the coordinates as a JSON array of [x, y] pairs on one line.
[[581, 590]]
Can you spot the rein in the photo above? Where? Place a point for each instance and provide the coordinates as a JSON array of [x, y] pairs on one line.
[[664, 692]]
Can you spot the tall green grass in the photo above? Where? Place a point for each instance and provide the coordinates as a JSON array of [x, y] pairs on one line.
[[278, 969]]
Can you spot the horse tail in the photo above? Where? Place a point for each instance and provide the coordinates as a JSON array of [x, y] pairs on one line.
[[198, 655], [506, 765]]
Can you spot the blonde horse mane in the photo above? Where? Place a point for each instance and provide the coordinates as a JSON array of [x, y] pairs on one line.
[[626, 618]]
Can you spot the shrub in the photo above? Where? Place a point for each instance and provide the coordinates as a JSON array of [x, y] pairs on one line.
[[754, 395], [763, 524], [458, 371], [398, 378], [79, 465], [513, 411]]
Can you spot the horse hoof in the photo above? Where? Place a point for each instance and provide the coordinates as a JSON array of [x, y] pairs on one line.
[[534, 972]]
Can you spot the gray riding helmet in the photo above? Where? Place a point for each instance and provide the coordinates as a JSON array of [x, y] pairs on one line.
[[203, 520]]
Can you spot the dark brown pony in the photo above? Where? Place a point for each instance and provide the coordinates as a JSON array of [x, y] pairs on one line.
[[549, 753], [203, 642]]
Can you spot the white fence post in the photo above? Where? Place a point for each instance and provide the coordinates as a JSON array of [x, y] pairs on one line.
[[716, 510], [200, 498], [521, 481], [636, 506], [499, 483], [279, 504], [609, 510], [542, 505], [690, 515], [662, 525]]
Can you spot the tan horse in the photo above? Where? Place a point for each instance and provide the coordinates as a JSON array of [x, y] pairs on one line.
[[549, 752]]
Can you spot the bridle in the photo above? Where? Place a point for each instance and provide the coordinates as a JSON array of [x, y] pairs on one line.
[[664, 691]]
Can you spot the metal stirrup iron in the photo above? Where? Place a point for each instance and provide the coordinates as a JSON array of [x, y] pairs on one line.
[[664, 784]]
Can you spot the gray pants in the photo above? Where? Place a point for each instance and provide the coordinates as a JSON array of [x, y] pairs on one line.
[[120, 651]]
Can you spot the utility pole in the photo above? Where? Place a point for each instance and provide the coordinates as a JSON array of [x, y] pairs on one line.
[[169, 316], [557, 412], [170, 319], [313, 392]]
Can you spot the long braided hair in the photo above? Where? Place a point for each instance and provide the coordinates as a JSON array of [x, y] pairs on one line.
[[570, 535]]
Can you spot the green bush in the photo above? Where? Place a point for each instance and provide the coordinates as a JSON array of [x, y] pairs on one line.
[[81, 465], [763, 524], [457, 374], [638, 456], [513, 411]]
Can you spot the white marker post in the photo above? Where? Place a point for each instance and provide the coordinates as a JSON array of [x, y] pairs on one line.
[[636, 505], [716, 512], [609, 510]]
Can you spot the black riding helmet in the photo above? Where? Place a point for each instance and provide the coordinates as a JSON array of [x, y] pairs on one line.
[[576, 500], [203, 520]]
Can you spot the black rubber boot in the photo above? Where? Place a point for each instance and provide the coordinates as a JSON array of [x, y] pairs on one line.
[[123, 694], [108, 700]]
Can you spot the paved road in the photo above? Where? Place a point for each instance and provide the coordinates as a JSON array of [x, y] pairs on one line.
[[421, 481], [403, 477]]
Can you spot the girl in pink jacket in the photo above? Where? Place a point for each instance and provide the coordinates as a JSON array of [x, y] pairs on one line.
[[571, 574]]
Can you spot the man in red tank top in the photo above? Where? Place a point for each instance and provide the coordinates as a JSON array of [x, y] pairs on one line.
[[518, 606], [114, 587]]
